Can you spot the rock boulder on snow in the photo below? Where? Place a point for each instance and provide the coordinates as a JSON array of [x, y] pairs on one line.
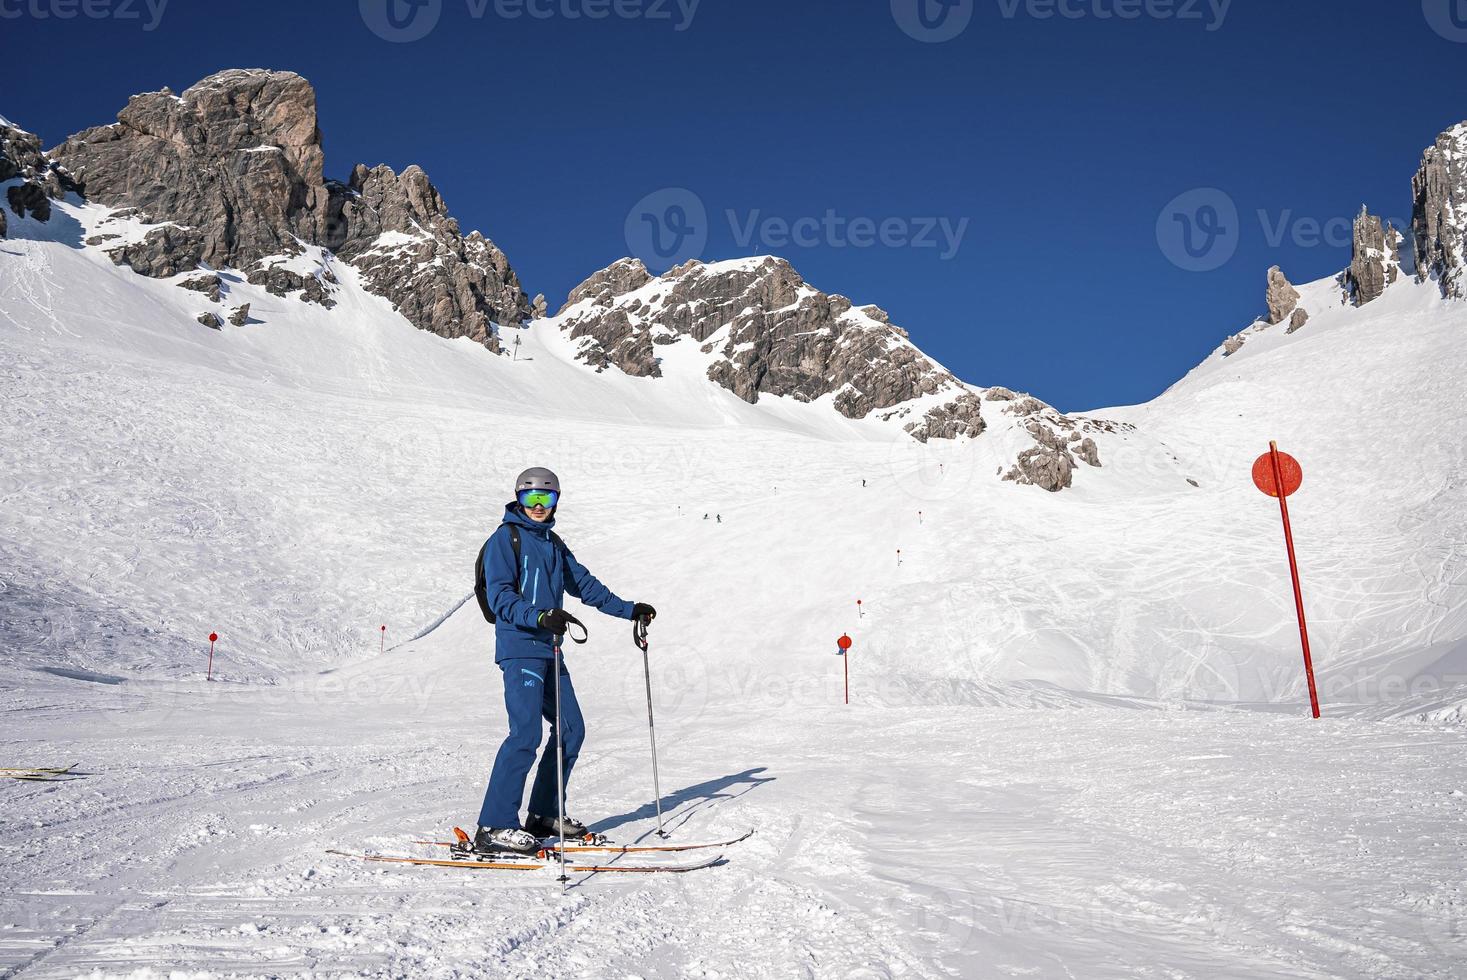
[[1282, 297], [1439, 195]]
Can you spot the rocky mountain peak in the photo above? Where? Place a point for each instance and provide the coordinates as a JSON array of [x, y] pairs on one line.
[[764, 331], [1439, 212], [232, 171]]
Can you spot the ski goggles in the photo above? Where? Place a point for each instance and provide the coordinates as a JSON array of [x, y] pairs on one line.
[[530, 499]]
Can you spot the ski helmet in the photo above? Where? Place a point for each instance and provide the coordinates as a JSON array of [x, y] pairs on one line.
[[537, 478]]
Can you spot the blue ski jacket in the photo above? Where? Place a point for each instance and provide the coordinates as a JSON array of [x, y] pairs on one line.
[[545, 574]]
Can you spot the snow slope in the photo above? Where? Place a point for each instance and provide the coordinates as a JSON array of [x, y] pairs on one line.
[[1045, 770]]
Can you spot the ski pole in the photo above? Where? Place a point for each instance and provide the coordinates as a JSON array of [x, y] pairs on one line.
[[559, 772], [560, 749], [639, 637]]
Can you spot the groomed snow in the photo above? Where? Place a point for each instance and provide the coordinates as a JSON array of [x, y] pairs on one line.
[[1077, 745]]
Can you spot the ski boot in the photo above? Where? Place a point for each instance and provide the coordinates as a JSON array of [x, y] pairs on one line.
[[495, 841], [570, 831]]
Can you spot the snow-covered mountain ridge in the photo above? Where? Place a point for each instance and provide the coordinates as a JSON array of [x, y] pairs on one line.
[[301, 476]]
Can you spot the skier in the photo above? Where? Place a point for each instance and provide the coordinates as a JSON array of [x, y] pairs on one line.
[[525, 596]]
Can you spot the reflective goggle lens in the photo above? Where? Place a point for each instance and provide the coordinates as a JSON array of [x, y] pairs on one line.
[[539, 498]]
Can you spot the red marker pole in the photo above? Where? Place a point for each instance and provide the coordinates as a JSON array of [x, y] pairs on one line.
[[384, 640], [1278, 475], [899, 558], [845, 654], [859, 613], [212, 637]]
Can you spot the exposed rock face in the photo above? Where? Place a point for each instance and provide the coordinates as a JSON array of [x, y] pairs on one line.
[[210, 320], [538, 308], [960, 417], [241, 315], [1375, 261], [1282, 297], [1300, 317], [768, 333], [236, 161], [21, 158], [1439, 193], [232, 172], [396, 229], [209, 285]]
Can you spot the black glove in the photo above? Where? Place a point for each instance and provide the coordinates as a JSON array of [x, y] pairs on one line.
[[555, 620], [642, 611]]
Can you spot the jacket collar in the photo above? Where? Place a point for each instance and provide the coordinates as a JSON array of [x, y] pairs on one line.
[[514, 515]]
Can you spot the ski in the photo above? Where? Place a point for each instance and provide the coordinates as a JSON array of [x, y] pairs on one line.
[[535, 866], [602, 847], [40, 770]]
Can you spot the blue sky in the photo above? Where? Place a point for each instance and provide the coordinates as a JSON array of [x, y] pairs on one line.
[[999, 174]]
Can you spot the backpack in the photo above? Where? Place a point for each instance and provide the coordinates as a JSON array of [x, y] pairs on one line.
[[481, 589]]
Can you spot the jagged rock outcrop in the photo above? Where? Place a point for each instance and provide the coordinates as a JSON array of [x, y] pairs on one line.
[[241, 315], [396, 229], [41, 181], [768, 333], [210, 320], [231, 172], [1300, 317], [209, 285], [959, 418], [538, 307], [765, 331], [1375, 260], [1438, 218], [235, 163], [1282, 297]]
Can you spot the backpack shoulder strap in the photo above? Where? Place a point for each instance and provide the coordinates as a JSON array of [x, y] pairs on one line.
[[514, 543]]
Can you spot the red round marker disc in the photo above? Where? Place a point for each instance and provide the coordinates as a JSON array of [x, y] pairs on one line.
[[1289, 467], [213, 637], [844, 642]]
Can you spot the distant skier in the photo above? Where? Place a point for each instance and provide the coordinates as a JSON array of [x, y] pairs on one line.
[[525, 596], [720, 518]]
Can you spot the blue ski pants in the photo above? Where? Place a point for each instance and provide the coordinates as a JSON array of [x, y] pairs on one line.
[[529, 696]]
